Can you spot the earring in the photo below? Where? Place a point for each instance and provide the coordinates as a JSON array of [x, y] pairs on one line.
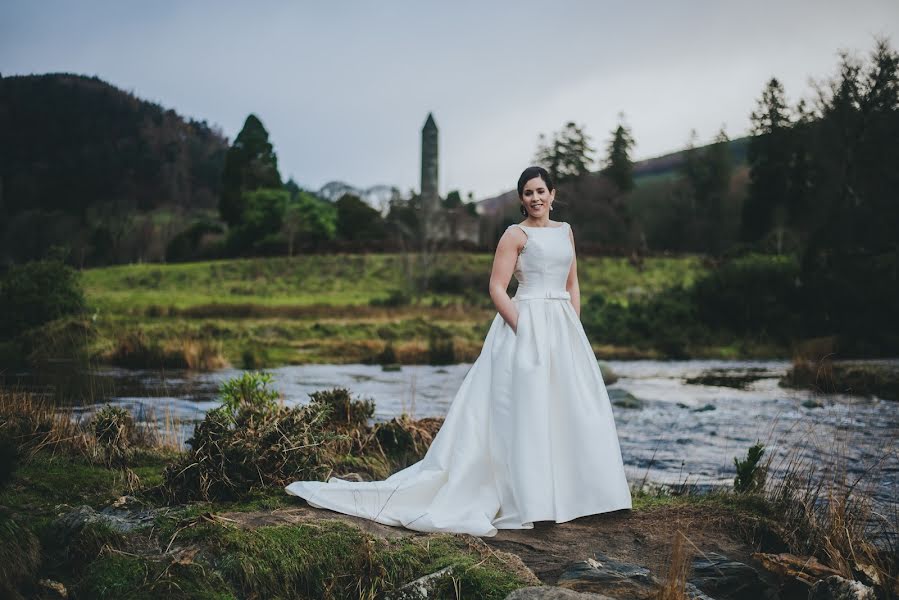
[[524, 211], [550, 207]]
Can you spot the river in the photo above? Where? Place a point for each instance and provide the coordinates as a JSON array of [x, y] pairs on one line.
[[674, 432]]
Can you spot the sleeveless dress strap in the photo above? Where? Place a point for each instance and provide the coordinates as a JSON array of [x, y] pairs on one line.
[[526, 235]]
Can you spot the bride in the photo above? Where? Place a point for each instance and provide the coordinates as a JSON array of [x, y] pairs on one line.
[[530, 434]]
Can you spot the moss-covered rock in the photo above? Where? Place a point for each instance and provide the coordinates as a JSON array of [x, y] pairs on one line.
[[829, 377]]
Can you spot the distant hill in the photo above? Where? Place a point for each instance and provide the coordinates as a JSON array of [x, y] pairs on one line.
[[645, 172], [72, 142]]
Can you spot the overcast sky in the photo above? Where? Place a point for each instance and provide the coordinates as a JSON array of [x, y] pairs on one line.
[[344, 87]]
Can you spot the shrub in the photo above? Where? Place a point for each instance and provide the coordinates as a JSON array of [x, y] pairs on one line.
[[405, 440], [37, 292], [113, 426], [448, 282], [750, 474], [230, 457], [755, 294], [249, 391], [394, 298], [342, 410], [261, 446], [185, 245], [667, 321]]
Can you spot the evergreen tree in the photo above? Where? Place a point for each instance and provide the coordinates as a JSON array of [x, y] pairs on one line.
[[712, 194], [854, 156], [702, 194], [618, 164], [769, 157], [356, 220], [568, 155], [799, 189], [250, 164], [292, 188]]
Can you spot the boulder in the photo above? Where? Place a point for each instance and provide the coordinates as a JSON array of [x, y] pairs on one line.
[[838, 588], [615, 578], [551, 592], [727, 579]]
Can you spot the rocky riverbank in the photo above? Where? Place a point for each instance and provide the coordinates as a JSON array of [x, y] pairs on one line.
[[105, 510]]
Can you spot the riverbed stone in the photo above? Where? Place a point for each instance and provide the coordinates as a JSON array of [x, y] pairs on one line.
[[49, 589], [838, 588], [609, 376], [422, 588], [727, 579], [616, 578], [114, 516], [625, 399], [552, 592]]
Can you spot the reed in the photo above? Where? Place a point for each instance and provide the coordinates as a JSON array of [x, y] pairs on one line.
[[34, 424], [821, 508], [674, 584], [135, 349]]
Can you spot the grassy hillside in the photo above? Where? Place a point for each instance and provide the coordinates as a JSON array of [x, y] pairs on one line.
[[324, 308], [343, 280]]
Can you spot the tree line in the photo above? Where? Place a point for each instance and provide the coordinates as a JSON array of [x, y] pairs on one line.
[[92, 168], [262, 215], [820, 176]]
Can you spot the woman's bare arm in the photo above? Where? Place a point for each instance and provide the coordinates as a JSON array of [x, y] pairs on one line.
[[510, 244], [572, 284]]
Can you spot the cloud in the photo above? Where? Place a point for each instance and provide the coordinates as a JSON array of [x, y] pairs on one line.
[[345, 88]]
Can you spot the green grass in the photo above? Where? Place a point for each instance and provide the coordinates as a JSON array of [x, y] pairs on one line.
[[741, 504], [322, 308], [123, 576], [337, 280], [42, 484]]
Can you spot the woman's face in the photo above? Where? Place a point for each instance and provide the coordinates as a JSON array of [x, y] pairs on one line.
[[536, 198]]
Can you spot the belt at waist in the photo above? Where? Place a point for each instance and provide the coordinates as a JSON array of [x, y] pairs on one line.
[[545, 295]]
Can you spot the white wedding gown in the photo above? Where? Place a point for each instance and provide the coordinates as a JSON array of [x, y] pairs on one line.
[[529, 435]]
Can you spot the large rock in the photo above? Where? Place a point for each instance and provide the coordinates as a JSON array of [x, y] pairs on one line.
[[727, 579], [551, 592], [116, 516], [625, 399], [612, 577], [838, 588], [806, 569], [608, 375]]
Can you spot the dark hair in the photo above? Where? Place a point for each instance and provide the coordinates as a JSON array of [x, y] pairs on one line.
[[532, 172]]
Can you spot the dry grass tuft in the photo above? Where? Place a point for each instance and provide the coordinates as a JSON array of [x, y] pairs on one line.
[[134, 349], [35, 424], [261, 446], [823, 510], [674, 585]]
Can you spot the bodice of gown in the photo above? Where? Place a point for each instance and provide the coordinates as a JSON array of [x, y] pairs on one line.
[[544, 262]]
